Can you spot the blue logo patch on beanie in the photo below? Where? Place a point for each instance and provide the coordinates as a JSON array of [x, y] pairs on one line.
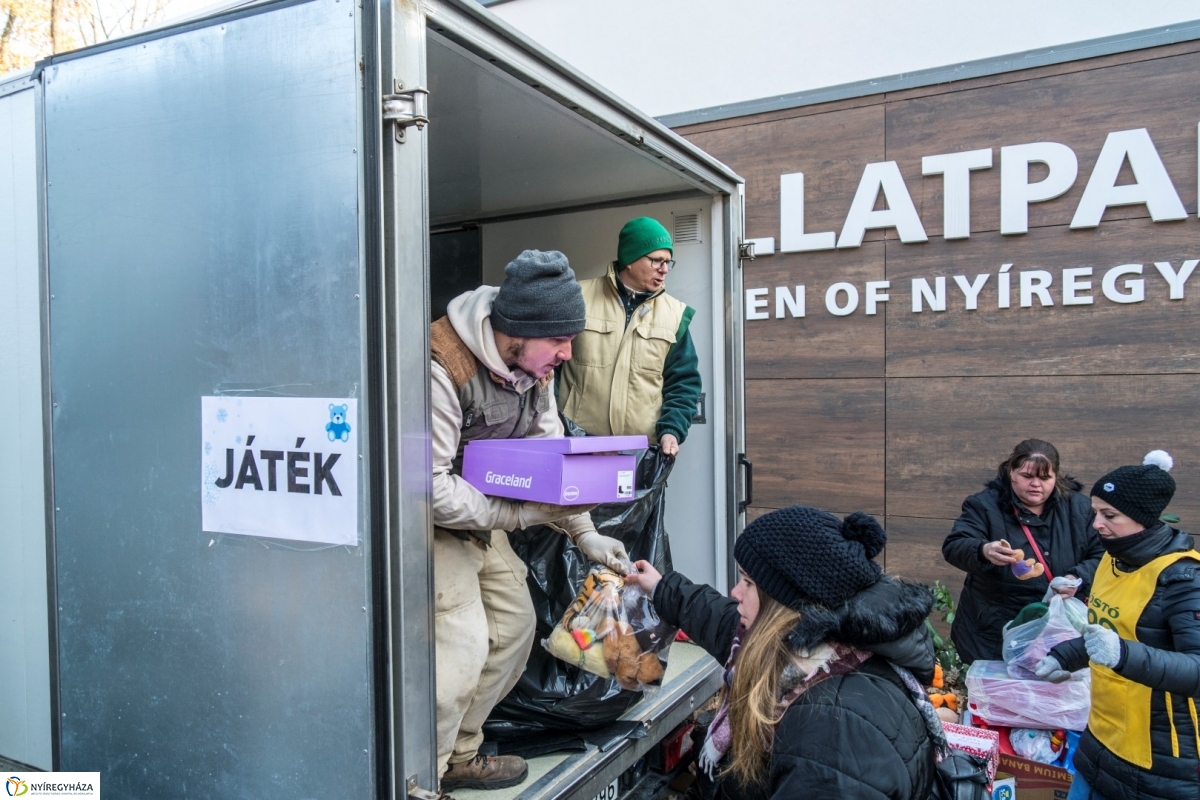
[[1110, 487]]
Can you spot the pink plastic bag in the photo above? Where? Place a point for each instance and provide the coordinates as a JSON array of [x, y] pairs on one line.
[[1000, 699]]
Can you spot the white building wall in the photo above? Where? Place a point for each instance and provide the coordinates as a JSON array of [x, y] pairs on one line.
[[671, 56], [24, 631]]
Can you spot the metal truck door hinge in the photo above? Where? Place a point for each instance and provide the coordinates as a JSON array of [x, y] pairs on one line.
[[745, 251], [406, 109], [415, 792]]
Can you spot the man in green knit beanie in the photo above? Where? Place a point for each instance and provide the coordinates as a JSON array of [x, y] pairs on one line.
[[634, 368]]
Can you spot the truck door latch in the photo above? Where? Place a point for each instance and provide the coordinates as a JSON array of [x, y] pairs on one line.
[[405, 109], [415, 792]]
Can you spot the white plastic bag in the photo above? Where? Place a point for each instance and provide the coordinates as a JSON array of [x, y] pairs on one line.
[[1000, 699], [1036, 745], [1027, 644]]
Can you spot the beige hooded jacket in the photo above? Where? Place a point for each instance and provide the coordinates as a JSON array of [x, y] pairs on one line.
[[457, 505]]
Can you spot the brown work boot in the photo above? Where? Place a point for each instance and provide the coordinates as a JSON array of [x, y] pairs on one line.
[[485, 772]]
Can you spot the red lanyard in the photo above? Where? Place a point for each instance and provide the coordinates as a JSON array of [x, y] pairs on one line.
[[1036, 550]]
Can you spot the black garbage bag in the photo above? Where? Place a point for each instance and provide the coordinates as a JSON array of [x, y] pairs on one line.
[[552, 695]]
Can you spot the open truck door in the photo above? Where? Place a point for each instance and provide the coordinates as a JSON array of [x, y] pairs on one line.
[[235, 218]]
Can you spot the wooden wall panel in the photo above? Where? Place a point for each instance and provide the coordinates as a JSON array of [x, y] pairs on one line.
[[906, 414], [819, 345], [834, 149], [1077, 109], [946, 436], [816, 442], [1156, 335], [1063, 68], [914, 551]]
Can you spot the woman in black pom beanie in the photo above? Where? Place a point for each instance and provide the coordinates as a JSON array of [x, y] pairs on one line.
[[1143, 644], [825, 661]]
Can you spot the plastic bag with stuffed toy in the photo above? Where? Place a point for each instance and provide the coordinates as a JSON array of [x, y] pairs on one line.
[[1027, 644], [1038, 745], [612, 630]]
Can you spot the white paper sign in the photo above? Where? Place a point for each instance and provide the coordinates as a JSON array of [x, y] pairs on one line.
[[281, 467]]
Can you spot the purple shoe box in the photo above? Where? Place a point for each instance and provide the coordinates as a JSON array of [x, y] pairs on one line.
[[566, 471]]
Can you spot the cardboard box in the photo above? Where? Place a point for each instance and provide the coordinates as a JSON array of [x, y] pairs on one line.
[[1004, 787], [566, 471], [1036, 781]]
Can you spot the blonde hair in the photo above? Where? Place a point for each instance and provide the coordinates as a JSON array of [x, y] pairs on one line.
[[754, 695]]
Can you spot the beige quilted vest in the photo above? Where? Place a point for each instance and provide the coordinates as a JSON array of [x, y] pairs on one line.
[[613, 383]]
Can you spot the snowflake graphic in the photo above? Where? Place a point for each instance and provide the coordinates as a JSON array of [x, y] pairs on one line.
[[222, 415], [208, 448], [211, 474]]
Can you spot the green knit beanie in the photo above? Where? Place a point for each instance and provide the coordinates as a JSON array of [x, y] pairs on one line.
[[639, 237]]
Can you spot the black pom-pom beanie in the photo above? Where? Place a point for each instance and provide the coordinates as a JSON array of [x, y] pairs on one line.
[[800, 555], [1139, 491]]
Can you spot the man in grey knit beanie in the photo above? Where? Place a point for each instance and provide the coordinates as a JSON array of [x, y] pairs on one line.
[[539, 297], [493, 359]]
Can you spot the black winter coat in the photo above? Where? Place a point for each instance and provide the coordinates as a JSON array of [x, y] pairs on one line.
[[992, 595], [850, 736], [1166, 657]]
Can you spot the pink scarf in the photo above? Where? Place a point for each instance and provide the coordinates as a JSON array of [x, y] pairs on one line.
[[808, 668]]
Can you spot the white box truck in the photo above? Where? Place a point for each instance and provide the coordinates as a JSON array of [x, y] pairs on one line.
[[265, 202]]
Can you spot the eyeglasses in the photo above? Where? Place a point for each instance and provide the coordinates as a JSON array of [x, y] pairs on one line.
[[667, 264]]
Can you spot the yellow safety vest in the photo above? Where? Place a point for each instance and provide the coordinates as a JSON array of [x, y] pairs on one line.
[[1120, 715], [612, 386]]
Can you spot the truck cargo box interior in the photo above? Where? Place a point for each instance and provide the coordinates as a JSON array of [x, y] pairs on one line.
[[513, 169]]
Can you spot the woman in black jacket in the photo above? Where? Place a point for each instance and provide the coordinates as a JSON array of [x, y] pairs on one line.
[[820, 698], [1030, 497], [1143, 642]]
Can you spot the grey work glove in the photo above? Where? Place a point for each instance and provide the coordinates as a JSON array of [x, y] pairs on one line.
[[1061, 584], [604, 550], [1049, 669], [1103, 646], [531, 513]]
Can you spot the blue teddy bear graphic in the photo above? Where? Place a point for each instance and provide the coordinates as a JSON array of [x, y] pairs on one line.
[[337, 427]]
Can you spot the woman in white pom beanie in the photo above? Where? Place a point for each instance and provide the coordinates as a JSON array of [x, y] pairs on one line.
[[1143, 643]]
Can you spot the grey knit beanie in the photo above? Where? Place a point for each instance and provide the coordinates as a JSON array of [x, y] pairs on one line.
[[801, 554], [540, 298], [1140, 492]]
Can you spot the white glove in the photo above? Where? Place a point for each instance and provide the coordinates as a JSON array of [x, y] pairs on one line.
[[604, 550], [1049, 669], [1103, 645], [530, 513], [1060, 583]]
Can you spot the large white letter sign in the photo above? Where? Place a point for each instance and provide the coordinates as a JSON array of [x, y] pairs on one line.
[[1073, 286], [1135, 288], [756, 301], [900, 213], [1153, 185], [1174, 279], [792, 238], [936, 297], [1016, 192], [955, 169], [783, 297], [831, 294]]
